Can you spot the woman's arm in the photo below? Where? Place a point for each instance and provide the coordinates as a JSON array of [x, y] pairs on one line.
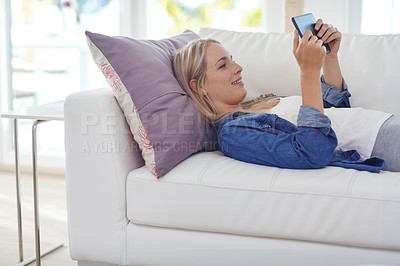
[[270, 140], [334, 97], [331, 67], [334, 88], [310, 55], [332, 72]]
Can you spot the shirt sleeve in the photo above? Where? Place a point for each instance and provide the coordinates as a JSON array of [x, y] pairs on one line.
[[312, 117], [334, 97], [310, 145]]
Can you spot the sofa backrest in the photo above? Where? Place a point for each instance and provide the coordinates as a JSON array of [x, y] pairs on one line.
[[370, 65]]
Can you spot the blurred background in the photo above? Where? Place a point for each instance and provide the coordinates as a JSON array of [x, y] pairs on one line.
[[44, 56]]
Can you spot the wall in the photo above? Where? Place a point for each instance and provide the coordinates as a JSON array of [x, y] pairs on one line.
[[333, 13], [343, 14], [133, 13]]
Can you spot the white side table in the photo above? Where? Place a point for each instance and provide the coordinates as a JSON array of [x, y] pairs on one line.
[[40, 113]]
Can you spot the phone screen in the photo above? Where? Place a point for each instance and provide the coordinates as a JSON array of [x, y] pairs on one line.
[[307, 22]]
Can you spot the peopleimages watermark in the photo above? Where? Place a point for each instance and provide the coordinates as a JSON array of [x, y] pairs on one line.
[[108, 146], [166, 124], [108, 123], [108, 128]]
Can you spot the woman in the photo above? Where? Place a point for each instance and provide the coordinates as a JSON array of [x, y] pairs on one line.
[[292, 132]]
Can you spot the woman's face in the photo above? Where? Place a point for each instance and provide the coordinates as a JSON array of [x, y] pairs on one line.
[[223, 84]]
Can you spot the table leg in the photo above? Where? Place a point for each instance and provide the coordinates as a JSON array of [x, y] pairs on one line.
[[35, 190], [36, 196], [35, 199], [42, 253], [17, 174]]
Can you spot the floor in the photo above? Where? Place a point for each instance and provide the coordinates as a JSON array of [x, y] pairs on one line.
[[53, 219]]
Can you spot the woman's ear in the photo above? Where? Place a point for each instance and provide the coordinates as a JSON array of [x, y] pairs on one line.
[[193, 85]]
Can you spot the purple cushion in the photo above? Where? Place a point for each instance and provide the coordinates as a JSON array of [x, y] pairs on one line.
[[161, 116]]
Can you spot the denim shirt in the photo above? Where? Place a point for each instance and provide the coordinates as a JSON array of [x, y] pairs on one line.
[[267, 139]]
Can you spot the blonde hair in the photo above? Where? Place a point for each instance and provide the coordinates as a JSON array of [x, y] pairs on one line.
[[190, 63]]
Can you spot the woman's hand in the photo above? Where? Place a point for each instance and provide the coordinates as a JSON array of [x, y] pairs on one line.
[[309, 52], [330, 35]]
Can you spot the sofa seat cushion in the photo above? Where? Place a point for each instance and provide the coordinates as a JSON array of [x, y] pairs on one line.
[[211, 192]]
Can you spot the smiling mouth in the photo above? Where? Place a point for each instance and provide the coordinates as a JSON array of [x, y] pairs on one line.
[[236, 82]]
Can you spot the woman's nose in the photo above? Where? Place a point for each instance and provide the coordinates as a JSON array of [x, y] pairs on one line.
[[238, 68]]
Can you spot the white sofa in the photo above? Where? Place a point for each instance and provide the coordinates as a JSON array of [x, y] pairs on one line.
[[214, 210]]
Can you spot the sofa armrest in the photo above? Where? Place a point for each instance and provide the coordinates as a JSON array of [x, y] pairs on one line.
[[100, 152]]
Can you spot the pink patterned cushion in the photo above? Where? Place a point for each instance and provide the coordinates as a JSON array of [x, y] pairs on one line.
[[162, 118]]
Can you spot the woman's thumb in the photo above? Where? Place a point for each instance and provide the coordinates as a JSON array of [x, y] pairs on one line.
[[295, 40]]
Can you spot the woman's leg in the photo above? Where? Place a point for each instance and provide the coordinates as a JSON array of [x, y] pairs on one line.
[[387, 144]]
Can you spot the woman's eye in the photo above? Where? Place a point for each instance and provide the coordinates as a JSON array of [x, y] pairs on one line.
[[222, 66]]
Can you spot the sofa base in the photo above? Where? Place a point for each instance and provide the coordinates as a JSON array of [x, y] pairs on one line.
[[148, 245], [157, 246]]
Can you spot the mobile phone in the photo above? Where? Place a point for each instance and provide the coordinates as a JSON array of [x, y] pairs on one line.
[[307, 22]]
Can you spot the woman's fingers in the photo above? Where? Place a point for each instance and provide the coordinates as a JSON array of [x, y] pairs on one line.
[[313, 39], [328, 33], [319, 42], [323, 30], [308, 38], [307, 35], [334, 36], [318, 24]]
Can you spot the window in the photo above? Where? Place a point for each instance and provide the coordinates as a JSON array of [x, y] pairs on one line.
[[50, 60], [49, 49], [169, 17], [380, 16]]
